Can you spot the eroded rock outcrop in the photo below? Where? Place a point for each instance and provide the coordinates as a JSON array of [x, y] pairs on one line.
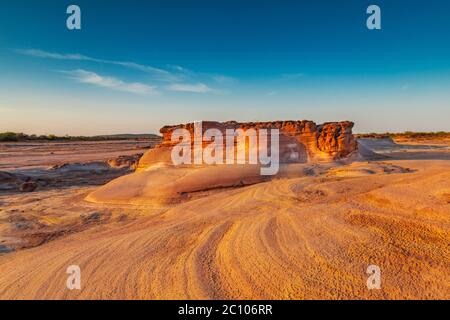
[[129, 161], [336, 138], [158, 181], [299, 141]]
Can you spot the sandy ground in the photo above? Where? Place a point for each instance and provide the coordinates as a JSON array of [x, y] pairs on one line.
[[306, 237], [30, 155]]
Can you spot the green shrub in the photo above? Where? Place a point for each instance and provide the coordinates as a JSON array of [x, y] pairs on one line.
[[9, 136]]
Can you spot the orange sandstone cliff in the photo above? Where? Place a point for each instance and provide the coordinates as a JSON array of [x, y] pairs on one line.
[[158, 182], [305, 139]]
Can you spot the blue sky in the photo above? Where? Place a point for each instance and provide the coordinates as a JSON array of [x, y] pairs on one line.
[[138, 65]]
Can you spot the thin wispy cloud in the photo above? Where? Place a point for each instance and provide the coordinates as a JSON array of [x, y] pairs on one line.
[[186, 87], [162, 74], [220, 79], [51, 55], [190, 74], [180, 79], [92, 78]]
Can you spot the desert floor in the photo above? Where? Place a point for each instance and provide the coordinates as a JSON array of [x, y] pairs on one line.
[[309, 237]]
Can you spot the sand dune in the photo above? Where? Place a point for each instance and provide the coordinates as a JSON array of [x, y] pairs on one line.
[[291, 238]]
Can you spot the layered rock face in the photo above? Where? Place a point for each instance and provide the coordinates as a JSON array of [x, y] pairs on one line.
[[336, 138], [129, 162], [299, 141], [158, 181]]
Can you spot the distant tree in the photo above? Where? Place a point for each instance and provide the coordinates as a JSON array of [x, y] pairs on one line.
[[9, 136]]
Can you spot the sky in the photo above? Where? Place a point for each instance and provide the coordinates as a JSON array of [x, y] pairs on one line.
[[136, 66]]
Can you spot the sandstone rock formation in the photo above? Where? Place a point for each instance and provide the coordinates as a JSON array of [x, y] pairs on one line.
[[129, 161], [300, 141], [336, 138], [158, 181]]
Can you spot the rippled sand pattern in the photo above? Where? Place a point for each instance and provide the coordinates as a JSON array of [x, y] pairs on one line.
[[302, 238]]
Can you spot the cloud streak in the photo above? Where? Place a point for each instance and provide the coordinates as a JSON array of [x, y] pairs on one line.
[[186, 87], [50, 55], [176, 79], [92, 78], [162, 74]]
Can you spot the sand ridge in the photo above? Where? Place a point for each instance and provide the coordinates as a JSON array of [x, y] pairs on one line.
[[292, 238]]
